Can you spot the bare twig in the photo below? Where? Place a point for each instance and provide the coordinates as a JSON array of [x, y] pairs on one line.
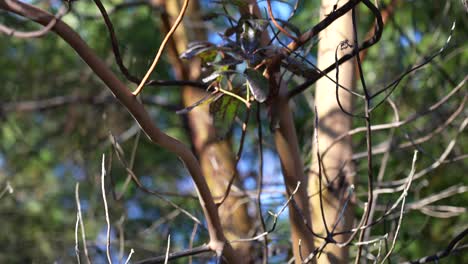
[[451, 247], [106, 209], [176, 255], [322, 25], [353, 231], [277, 25], [161, 47], [372, 241], [367, 116], [143, 188], [192, 238], [167, 249], [443, 211], [118, 55], [238, 157], [438, 162], [77, 249], [120, 227], [397, 124], [393, 85], [260, 186], [38, 33], [7, 189], [80, 220], [400, 219], [129, 256], [161, 221], [319, 162], [275, 219], [457, 189]]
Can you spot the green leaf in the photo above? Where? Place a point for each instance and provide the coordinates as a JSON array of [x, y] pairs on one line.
[[203, 49], [257, 84], [227, 60], [224, 111], [212, 77]]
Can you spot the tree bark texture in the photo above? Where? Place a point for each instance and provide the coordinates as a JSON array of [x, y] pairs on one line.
[[336, 170], [216, 156]]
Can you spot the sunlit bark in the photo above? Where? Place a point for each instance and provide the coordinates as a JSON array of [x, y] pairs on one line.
[[216, 157], [332, 122]]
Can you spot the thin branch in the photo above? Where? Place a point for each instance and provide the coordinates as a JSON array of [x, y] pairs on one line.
[[453, 190], [443, 211], [77, 224], [7, 189], [238, 157], [329, 19], [129, 256], [442, 71], [119, 61], [341, 46], [438, 162], [397, 124], [311, 33], [409, 180], [143, 188], [319, 161], [162, 220], [38, 33], [275, 219], [370, 173], [277, 25], [114, 42], [161, 47], [120, 227], [400, 219], [386, 14], [106, 209], [393, 85], [451, 247], [192, 238], [176, 255], [260, 185], [167, 249], [80, 220]]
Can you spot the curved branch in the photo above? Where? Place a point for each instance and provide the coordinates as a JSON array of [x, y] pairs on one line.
[[37, 33], [161, 47], [451, 247], [277, 25]]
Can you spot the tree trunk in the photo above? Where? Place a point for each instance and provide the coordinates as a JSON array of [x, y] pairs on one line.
[[336, 172], [216, 157], [292, 166]]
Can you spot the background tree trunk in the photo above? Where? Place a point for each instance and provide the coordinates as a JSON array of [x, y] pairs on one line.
[[332, 122], [216, 156]]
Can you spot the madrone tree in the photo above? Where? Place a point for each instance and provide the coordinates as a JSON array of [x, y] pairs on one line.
[[308, 130]]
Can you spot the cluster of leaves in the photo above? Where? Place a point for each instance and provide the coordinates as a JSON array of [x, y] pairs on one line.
[[235, 68]]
